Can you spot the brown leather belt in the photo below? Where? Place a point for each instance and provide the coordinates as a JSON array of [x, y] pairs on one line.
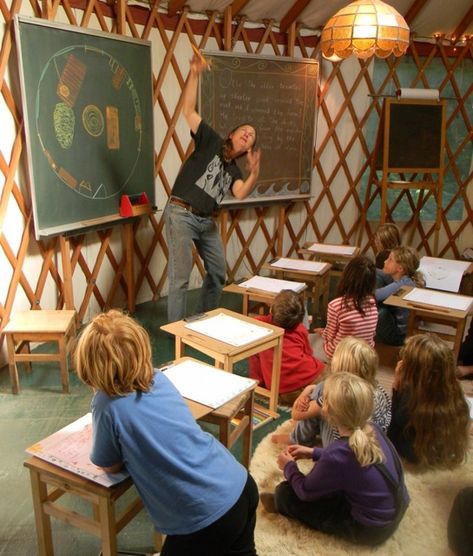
[[181, 203]]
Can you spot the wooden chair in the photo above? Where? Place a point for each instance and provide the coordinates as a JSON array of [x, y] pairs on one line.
[[39, 326]]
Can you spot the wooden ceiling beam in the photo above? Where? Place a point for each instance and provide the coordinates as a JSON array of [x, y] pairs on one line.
[[291, 16], [237, 6], [414, 10], [463, 25], [175, 6]]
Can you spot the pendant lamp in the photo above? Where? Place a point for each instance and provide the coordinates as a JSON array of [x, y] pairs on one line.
[[364, 28]]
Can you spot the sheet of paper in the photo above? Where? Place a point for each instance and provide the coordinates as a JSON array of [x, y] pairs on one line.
[[446, 300], [70, 447], [228, 329], [442, 274], [273, 285], [299, 264], [333, 249], [206, 385]]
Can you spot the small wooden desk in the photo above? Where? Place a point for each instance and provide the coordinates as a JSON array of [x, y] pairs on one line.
[[338, 260], [40, 326], [252, 294], [318, 283], [420, 313], [225, 355], [50, 482]]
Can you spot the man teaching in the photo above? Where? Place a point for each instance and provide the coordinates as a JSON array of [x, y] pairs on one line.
[[204, 179]]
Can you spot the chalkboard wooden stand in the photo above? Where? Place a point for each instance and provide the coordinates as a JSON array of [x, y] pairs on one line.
[[410, 143], [126, 266]]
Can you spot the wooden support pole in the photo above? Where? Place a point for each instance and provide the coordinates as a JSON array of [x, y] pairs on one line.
[[67, 272], [127, 237]]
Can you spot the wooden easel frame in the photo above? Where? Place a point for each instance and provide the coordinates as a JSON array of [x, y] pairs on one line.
[[431, 179]]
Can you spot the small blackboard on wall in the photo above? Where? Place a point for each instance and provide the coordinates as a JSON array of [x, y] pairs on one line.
[[412, 138], [87, 100], [277, 95]]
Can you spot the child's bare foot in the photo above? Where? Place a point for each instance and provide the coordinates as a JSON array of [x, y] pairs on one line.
[[280, 438], [267, 500]]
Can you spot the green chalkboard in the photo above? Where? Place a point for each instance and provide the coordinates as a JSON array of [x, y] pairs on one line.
[[412, 138], [87, 99], [277, 95]]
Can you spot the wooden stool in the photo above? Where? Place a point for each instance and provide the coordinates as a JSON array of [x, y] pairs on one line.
[[49, 483], [240, 411], [39, 326]]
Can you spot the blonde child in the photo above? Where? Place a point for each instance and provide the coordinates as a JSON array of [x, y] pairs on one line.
[[299, 367], [356, 490], [401, 267], [351, 355], [353, 312], [192, 487], [431, 420], [386, 238]]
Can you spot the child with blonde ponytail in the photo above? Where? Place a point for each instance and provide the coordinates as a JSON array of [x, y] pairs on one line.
[[356, 489]]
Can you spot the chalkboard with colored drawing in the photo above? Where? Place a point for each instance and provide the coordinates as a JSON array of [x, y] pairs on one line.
[[277, 95], [87, 99]]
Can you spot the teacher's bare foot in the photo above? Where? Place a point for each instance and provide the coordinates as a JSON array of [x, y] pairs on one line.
[[280, 438]]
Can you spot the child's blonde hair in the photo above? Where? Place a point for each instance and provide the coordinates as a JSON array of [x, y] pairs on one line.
[[355, 356], [113, 354], [439, 414], [387, 236], [348, 404], [408, 259]]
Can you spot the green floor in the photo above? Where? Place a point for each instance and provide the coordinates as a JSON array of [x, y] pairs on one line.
[[40, 410]]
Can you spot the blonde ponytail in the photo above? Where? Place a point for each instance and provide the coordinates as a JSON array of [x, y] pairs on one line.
[[348, 403]]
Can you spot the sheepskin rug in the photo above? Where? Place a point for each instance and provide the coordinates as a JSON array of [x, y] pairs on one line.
[[422, 532]]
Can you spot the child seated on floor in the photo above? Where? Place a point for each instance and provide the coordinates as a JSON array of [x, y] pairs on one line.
[[430, 417], [352, 313], [353, 356], [386, 238], [193, 488], [401, 267], [299, 367], [356, 489]]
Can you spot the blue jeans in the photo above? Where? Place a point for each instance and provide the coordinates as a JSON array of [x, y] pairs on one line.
[[182, 230]]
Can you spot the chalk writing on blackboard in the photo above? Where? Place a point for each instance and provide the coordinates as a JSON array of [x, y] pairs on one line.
[[276, 95]]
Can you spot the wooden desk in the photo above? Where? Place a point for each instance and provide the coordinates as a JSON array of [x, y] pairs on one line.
[[337, 260], [225, 355], [318, 283], [49, 483], [40, 326], [252, 294], [421, 313]]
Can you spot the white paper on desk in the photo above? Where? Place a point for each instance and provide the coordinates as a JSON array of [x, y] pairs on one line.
[[228, 329], [332, 249], [447, 300], [70, 447], [442, 274], [299, 264], [273, 285], [206, 385]]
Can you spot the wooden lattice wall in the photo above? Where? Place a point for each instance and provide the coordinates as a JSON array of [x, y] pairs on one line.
[[32, 272]]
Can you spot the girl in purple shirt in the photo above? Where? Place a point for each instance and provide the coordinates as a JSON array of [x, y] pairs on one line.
[[356, 488]]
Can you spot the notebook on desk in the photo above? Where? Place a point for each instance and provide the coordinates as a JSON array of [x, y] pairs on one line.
[[272, 285], [347, 250], [206, 385], [299, 264]]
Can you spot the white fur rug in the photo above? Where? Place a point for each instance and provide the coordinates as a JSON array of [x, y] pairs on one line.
[[422, 532]]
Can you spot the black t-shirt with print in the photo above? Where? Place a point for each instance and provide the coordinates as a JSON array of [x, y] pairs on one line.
[[204, 178]]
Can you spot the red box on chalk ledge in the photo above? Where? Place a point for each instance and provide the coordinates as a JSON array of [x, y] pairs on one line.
[[134, 205]]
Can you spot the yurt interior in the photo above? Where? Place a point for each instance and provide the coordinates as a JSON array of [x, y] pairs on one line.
[[350, 116]]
